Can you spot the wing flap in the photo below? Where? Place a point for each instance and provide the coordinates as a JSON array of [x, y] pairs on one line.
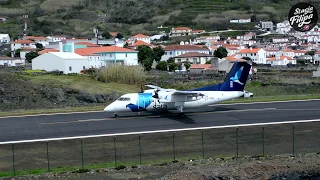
[[188, 93], [154, 87], [181, 96]]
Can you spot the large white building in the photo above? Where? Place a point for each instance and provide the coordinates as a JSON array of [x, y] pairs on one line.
[[67, 62], [176, 50], [258, 55], [140, 37], [106, 55]]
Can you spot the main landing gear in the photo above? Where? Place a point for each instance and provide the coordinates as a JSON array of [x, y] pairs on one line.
[[181, 113], [116, 115]]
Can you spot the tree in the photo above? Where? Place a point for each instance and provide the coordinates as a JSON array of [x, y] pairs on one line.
[[39, 46], [158, 53], [106, 35], [17, 52], [145, 52], [247, 58], [187, 65], [172, 65], [221, 52], [119, 36], [311, 53], [31, 55], [147, 63], [164, 38], [162, 66]]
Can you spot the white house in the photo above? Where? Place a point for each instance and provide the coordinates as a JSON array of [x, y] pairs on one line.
[[180, 31], [38, 39], [176, 50], [141, 37], [280, 40], [258, 55], [279, 60], [11, 61], [67, 62], [232, 50], [107, 55], [56, 38], [19, 44], [284, 27], [4, 38], [271, 52], [316, 58], [267, 25], [194, 58]]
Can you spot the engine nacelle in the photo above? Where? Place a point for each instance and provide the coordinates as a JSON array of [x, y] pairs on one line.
[[149, 91], [165, 96]]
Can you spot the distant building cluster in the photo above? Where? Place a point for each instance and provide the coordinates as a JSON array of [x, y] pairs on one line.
[[74, 55], [247, 20]]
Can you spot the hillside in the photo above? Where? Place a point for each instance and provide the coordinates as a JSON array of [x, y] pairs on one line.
[[78, 17], [19, 91]]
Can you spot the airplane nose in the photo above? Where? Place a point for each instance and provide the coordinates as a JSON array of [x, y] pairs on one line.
[[109, 108]]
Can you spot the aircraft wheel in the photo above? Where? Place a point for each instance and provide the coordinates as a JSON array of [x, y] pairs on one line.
[[116, 115], [182, 115]]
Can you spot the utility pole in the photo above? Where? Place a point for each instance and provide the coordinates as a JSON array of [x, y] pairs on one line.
[[25, 24]]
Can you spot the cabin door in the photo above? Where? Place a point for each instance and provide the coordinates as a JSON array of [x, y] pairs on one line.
[[141, 102]]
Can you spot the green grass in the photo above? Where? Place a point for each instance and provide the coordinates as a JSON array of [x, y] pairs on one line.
[[84, 83], [86, 168]]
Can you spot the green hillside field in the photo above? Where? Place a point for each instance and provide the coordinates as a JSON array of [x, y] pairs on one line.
[[79, 17]]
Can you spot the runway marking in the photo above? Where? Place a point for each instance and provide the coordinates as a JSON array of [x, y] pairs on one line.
[[267, 102], [83, 112], [160, 131], [124, 118]]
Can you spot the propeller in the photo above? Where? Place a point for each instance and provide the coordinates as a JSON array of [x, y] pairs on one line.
[[156, 95], [157, 89]]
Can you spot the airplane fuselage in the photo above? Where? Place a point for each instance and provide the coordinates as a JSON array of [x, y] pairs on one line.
[[136, 102]]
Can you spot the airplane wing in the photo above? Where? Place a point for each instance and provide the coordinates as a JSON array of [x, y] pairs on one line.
[[180, 96], [188, 93], [155, 87]]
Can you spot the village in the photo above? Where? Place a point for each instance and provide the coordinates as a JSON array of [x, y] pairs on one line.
[[279, 45]]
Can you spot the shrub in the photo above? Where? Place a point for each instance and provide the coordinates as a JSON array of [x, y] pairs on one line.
[[162, 66], [122, 74]]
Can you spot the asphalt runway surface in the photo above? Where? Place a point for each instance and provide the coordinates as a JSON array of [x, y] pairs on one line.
[[97, 123]]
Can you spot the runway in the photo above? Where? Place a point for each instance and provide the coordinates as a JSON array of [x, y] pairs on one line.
[[96, 123]]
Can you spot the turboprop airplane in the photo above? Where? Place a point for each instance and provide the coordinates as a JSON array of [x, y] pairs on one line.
[[161, 99]]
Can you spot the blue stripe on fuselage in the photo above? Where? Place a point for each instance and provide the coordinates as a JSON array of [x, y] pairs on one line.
[[144, 100]]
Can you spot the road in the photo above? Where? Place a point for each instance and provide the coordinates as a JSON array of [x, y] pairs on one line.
[[96, 123]]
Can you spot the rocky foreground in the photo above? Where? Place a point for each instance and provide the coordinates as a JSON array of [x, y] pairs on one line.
[[283, 167], [17, 92]]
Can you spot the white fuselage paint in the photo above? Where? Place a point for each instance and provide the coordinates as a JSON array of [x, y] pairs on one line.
[[209, 98]]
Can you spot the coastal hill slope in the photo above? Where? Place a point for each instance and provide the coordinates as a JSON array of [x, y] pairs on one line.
[[79, 17]]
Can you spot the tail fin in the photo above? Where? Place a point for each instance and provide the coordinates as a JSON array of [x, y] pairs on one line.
[[237, 77], [235, 81]]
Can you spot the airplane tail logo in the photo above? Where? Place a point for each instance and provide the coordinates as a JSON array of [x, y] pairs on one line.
[[237, 77]]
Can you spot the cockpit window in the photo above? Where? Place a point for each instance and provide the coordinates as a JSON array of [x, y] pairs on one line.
[[123, 99], [120, 99]]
